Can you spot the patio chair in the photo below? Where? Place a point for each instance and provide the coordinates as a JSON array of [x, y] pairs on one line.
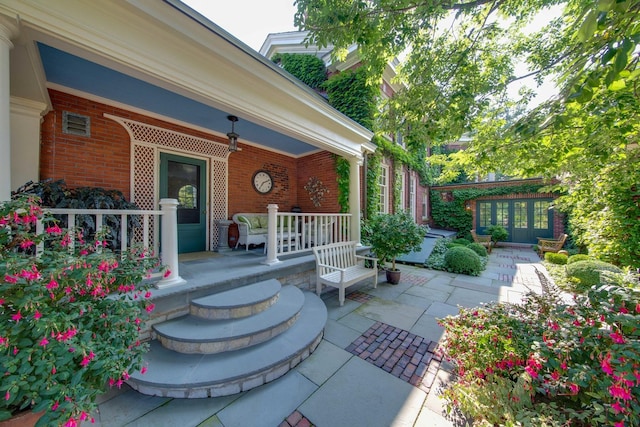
[[482, 239], [550, 245]]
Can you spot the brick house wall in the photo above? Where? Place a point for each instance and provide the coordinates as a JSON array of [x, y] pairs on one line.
[[103, 159]]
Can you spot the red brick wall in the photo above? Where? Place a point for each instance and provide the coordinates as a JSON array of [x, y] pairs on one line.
[[243, 164], [322, 166]]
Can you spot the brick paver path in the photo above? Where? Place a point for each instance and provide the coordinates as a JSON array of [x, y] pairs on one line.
[[359, 296], [401, 353]]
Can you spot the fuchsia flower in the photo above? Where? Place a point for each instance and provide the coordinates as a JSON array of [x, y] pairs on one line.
[[44, 342], [617, 338], [17, 316], [619, 392]]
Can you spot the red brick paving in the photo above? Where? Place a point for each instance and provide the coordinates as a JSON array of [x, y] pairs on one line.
[[296, 419], [359, 296], [401, 353]]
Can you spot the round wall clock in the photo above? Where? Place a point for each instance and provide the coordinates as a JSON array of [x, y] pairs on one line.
[[262, 181]]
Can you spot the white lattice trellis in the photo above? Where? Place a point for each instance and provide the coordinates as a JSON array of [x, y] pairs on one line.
[[148, 140]]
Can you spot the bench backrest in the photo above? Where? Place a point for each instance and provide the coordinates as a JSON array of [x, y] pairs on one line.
[[340, 255]]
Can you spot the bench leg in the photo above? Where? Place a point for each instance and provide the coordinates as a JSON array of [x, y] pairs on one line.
[[341, 295], [318, 287]]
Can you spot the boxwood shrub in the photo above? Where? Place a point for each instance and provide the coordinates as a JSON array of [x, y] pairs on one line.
[[587, 272], [478, 248], [461, 259], [554, 258], [578, 257]]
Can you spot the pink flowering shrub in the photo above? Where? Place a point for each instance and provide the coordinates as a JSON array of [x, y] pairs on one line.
[[546, 362], [69, 319]]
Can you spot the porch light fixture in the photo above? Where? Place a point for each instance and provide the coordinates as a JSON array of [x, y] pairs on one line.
[[233, 137]]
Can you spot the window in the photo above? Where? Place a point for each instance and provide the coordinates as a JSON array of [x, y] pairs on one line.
[[383, 183], [425, 203], [76, 124], [403, 191], [520, 217], [412, 197], [541, 214], [502, 214], [484, 214]]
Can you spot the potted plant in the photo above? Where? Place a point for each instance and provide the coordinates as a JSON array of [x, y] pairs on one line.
[[498, 234], [391, 235], [70, 316]]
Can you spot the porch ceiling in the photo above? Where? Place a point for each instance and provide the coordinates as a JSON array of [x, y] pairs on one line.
[[70, 71]]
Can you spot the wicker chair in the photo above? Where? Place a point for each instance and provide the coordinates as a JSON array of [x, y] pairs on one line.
[[482, 239], [550, 245]]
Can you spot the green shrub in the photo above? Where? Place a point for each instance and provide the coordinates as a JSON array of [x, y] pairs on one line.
[[553, 258], [578, 257], [498, 233], [478, 248], [461, 241], [587, 272], [461, 259]]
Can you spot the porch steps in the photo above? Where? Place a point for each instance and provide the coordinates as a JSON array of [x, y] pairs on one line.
[[284, 326]]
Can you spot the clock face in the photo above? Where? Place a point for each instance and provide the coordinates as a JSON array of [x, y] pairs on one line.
[[262, 182]]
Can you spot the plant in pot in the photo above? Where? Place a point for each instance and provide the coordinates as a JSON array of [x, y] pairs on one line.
[[392, 235], [70, 316], [498, 234]]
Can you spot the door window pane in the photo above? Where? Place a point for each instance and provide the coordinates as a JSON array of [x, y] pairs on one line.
[[183, 184], [484, 214], [502, 214], [541, 214], [520, 218]]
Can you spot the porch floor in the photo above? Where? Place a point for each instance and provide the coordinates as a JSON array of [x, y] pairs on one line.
[[350, 379]]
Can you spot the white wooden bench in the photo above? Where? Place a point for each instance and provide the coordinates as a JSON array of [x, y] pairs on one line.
[[338, 265]]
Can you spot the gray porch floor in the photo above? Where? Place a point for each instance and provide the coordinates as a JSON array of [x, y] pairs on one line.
[[337, 385]]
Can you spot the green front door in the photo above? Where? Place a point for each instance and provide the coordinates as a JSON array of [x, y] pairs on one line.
[[184, 179]]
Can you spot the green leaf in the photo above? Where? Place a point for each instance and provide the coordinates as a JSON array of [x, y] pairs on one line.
[[589, 26], [617, 85], [608, 55], [621, 61]]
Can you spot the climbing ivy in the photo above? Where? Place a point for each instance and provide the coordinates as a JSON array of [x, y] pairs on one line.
[[452, 214], [342, 170], [307, 68], [373, 190], [350, 93]]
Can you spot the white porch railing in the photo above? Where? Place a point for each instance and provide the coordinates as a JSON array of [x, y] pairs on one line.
[[163, 223], [290, 233]]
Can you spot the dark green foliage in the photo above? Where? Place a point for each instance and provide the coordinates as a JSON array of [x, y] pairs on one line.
[[342, 170], [461, 241], [560, 259], [373, 189], [350, 93], [578, 257], [463, 260], [588, 272], [309, 69], [498, 233], [478, 248], [56, 194]]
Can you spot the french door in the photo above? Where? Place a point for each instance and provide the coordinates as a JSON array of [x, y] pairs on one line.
[[524, 219]]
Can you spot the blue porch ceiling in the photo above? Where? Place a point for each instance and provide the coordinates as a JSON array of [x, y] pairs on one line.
[[80, 74]]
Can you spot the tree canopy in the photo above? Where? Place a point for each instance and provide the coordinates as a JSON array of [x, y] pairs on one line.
[[462, 57]]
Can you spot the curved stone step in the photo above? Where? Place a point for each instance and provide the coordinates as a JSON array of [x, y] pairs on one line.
[[190, 334], [179, 375], [236, 303]]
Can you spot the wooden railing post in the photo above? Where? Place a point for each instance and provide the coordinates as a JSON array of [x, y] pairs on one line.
[[169, 243]]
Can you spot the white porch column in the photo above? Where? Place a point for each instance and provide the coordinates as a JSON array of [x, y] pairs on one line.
[[26, 116], [354, 197], [272, 241], [169, 243], [7, 29]]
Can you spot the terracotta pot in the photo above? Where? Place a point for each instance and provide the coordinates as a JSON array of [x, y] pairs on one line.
[[22, 419], [393, 276]]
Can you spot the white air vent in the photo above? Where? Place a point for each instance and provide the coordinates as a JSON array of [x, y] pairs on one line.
[[76, 124]]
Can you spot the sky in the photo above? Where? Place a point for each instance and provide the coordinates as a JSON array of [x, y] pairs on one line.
[[248, 20]]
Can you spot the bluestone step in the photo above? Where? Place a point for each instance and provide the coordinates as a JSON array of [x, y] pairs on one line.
[[236, 303], [191, 334], [179, 375]]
